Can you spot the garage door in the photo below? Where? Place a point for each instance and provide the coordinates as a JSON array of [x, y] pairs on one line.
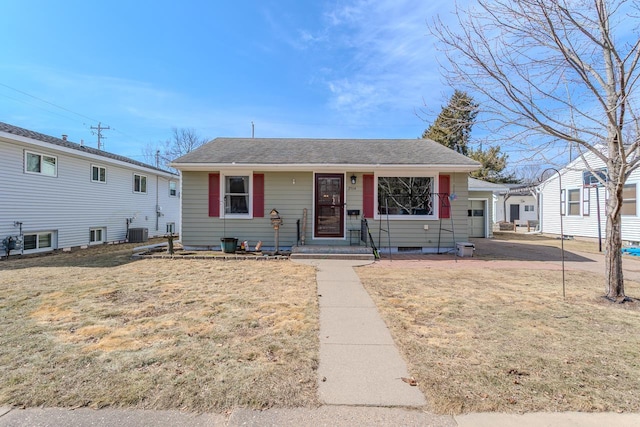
[[476, 218]]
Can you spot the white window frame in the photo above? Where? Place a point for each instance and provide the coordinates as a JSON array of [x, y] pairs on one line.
[[42, 156], [223, 194], [93, 231], [635, 200], [38, 234], [98, 167], [171, 227], [175, 188], [146, 182], [401, 174], [586, 200], [574, 202]]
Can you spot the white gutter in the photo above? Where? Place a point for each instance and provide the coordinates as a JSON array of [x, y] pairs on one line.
[[308, 167]]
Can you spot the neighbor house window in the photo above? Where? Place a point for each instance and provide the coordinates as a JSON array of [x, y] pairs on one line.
[[35, 241], [171, 227], [173, 188], [40, 164], [406, 196], [528, 208], [236, 195], [573, 202], [98, 173], [629, 200], [139, 183], [96, 235]]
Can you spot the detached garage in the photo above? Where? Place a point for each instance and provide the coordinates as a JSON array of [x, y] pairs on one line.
[[483, 197]]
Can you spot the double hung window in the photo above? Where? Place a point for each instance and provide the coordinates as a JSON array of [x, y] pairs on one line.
[[236, 195]]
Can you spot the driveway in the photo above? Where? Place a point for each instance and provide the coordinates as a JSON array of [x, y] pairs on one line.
[[513, 254]]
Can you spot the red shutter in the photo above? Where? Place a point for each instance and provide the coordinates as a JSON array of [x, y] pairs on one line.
[[214, 194], [367, 196], [258, 195], [444, 201]]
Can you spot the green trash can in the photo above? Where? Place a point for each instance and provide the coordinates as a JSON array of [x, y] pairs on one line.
[[229, 244]]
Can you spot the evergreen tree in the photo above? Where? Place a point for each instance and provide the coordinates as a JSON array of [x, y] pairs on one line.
[[493, 164], [452, 127]]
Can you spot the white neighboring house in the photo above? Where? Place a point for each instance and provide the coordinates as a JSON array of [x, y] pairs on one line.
[[578, 203], [57, 194], [519, 204]]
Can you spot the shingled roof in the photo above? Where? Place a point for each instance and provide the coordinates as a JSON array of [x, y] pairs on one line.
[[303, 151], [15, 130]]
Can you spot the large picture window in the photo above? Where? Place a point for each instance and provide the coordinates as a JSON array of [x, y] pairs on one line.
[[236, 195], [40, 164], [406, 196]]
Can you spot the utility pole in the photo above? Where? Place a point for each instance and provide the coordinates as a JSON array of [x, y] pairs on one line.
[[99, 129], [157, 158]]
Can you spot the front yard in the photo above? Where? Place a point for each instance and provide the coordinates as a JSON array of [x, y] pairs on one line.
[[94, 328], [481, 340]]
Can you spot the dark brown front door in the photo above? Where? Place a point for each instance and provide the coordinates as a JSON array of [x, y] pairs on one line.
[[329, 205]]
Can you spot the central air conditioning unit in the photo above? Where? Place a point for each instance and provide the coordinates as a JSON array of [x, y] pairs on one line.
[[138, 235]]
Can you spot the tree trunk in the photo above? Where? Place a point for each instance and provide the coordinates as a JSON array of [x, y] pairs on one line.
[[614, 281]]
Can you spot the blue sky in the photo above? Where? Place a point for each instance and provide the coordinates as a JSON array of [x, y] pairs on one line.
[[326, 69]]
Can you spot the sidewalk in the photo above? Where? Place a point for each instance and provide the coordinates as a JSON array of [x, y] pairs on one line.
[[359, 362]]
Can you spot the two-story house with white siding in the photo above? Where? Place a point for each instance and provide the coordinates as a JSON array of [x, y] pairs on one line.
[[56, 194], [580, 201]]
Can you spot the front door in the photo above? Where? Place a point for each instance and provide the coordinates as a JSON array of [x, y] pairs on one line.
[[329, 206]]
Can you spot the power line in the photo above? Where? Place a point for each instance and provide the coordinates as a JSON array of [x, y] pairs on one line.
[[47, 102]]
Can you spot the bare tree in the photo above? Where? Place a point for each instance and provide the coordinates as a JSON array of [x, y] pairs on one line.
[[182, 141], [557, 72]]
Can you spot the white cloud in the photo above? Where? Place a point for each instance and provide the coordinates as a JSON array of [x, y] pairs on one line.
[[391, 61]]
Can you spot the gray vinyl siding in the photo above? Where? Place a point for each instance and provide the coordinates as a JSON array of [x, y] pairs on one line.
[[70, 204], [583, 225], [280, 193], [201, 231]]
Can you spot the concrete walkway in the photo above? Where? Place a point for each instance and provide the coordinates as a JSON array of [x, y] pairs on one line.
[[359, 362]]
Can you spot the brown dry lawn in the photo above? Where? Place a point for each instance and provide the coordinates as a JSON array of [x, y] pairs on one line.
[[506, 340], [95, 328]]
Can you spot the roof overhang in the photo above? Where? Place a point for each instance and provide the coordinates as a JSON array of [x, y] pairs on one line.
[[310, 167]]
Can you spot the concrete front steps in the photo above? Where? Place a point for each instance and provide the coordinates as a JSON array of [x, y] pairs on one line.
[[358, 253]]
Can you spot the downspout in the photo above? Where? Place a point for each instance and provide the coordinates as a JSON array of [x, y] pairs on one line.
[[157, 204]]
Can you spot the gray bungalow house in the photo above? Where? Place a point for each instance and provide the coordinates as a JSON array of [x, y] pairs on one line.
[[413, 193]]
